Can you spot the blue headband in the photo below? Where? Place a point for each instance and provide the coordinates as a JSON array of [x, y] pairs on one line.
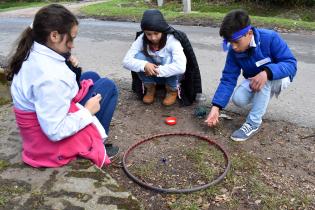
[[235, 36]]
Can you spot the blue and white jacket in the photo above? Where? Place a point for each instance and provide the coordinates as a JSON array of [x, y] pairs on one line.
[[271, 53]]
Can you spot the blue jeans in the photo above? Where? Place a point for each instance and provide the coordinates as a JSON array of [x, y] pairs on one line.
[[109, 93], [172, 81], [259, 101]]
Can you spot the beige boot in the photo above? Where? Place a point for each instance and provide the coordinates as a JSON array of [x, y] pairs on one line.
[[149, 96], [171, 96]]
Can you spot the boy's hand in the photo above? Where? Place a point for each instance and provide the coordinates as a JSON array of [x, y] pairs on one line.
[[74, 61], [213, 117], [93, 104], [150, 69], [257, 82]]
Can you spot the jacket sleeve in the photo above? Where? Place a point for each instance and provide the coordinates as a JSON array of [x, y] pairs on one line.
[[129, 61], [52, 103], [228, 81], [283, 62], [178, 64]]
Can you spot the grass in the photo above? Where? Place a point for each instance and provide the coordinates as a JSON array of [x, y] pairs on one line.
[[13, 5], [203, 12], [3, 200], [206, 14], [201, 154], [283, 23], [4, 90], [244, 182], [7, 6], [4, 101], [3, 164], [144, 170], [10, 189], [116, 8]]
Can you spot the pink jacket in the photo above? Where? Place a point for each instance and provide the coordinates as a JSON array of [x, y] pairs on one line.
[[39, 151]]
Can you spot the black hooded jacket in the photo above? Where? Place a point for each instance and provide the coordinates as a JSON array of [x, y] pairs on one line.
[[191, 82]]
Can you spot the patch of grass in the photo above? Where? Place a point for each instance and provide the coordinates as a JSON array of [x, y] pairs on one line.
[[80, 164], [246, 179], [282, 22], [12, 188], [144, 170], [211, 192], [115, 188], [201, 154], [4, 164], [244, 162], [36, 200], [3, 201], [4, 101], [97, 175], [13, 5], [83, 197], [134, 10], [263, 10], [184, 202], [302, 200], [7, 6], [116, 8], [208, 14], [244, 182], [122, 203]]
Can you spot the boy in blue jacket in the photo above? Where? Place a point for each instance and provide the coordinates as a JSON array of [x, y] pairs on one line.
[[267, 65]]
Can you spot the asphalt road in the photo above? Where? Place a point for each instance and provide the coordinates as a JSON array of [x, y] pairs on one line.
[[101, 46]]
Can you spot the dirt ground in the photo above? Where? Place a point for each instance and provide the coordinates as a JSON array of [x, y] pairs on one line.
[[273, 170]]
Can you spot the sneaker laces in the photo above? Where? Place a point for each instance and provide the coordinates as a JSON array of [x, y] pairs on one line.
[[247, 128]]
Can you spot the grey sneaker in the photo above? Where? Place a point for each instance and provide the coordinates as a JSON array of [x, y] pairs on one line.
[[244, 133]]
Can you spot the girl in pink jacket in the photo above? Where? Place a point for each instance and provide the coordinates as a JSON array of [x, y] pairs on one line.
[[61, 114]]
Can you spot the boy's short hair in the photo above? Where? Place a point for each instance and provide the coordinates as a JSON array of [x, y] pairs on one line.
[[234, 21]]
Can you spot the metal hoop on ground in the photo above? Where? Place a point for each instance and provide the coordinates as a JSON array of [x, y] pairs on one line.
[[172, 190]]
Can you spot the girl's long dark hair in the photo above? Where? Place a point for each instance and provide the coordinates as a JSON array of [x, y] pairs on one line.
[[53, 17], [147, 42]]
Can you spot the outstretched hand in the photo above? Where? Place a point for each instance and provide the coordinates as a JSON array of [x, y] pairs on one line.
[[257, 82], [213, 117]]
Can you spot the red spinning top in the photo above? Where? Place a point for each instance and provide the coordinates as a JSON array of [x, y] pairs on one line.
[[170, 120]]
